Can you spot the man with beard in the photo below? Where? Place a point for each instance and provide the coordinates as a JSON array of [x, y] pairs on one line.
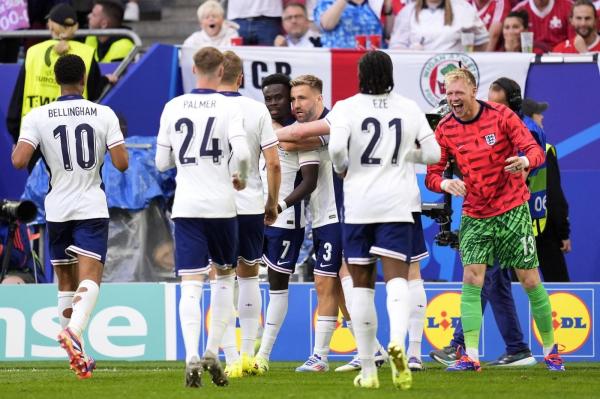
[[584, 20]]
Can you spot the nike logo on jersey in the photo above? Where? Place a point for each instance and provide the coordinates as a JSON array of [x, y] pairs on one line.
[[279, 263], [327, 265]]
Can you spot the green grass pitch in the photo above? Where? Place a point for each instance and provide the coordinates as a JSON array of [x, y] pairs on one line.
[[124, 380]]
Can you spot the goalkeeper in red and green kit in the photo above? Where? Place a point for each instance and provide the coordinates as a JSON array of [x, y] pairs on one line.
[[485, 140]]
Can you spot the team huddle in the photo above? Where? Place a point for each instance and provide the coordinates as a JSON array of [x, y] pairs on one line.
[[249, 177]]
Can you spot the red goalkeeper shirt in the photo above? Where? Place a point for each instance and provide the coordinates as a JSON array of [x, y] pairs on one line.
[[480, 148]]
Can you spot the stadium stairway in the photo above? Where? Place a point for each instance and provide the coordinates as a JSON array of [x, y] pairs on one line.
[[177, 21]]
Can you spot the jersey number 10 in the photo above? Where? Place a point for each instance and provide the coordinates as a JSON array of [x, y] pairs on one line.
[[367, 156], [85, 146]]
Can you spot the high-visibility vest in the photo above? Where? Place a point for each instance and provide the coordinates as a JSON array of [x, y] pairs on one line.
[[40, 85], [117, 51], [538, 183]]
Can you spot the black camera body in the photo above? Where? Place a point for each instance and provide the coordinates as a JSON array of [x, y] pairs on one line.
[[17, 211], [442, 212]]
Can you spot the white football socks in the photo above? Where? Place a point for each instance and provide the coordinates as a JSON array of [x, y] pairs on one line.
[[221, 312], [398, 309], [190, 315], [249, 307], [364, 320], [323, 333], [276, 312], [65, 305], [416, 318], [84, 302], [229, 342]]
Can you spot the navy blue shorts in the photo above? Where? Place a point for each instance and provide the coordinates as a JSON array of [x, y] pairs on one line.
[[281, 248], [87, 237], [251, 232], [198, 241], [400, 240], [327, 241]]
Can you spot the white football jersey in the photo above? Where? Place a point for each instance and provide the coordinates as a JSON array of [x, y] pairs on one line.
[[260, 135], [291, 161], [73, 135], [322, 201], [198, 127], [378, 130]]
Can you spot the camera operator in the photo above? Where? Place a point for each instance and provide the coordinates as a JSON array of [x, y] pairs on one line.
[[20, 264]]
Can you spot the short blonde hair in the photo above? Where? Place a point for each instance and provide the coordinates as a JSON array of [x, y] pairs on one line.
[[63, 34], [308, 80], [233, 67], [210, 6], [460, 73], [208, 59]]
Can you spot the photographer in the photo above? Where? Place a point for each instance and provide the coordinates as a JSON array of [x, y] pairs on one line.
[[20, 265]]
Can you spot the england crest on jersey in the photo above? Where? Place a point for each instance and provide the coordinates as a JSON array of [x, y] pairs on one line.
[[490, 139]]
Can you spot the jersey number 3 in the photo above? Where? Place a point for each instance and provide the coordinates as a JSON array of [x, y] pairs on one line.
[[85, 146], [372, 124], [213, 152]]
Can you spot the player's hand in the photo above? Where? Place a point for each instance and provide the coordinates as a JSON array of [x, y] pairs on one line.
[[455, 187], [566, 245], [280, 41], [516, 165], [112, 79], [238, 183], [270, 213], [343, 174]]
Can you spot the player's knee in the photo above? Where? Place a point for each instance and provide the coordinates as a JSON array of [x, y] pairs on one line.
[[278, 281], [529, 279]]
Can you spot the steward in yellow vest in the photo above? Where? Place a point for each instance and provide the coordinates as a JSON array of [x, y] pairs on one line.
[[36, 84], [108, 14]]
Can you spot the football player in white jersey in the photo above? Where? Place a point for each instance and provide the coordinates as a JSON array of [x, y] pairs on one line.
[[372, 145], [253, 213], [303, 134], [76, 208], [307, 105], [283, 239], [196, 133]]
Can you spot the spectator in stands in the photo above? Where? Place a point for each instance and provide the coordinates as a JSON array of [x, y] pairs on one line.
[[550, 225], [297, 28], [514, 23], [437, 25], [548, 20], [341, 20], [259, 20], [584, 20], [492, 14], [33, 87], [132, 11], [108, 14], [214, 30]]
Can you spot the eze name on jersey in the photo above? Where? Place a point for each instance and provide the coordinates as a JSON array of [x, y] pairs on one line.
[[380, 103]]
